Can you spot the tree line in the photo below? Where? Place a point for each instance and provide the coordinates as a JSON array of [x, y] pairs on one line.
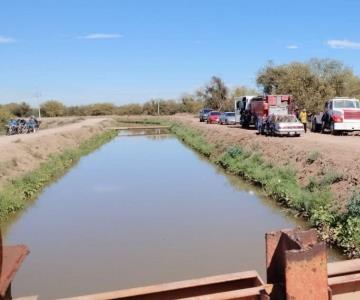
[[311, 83]]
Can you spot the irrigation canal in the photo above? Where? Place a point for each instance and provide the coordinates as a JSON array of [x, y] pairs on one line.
[[140, 210]]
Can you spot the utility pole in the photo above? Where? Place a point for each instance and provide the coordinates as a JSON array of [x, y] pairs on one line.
[[37, 96], [158, 105]]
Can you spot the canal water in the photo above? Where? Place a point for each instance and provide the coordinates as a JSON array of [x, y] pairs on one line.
[[140, 210]]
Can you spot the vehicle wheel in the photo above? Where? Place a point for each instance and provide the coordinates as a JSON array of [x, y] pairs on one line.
[[323, 127], [332, 129], [313, 126], [273, 132]]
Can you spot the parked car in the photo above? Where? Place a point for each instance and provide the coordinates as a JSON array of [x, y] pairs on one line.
[[203, 115], [282, 125], [227, 118], [213, 117]]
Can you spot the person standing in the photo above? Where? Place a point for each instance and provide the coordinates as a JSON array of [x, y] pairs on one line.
[[303, 118]]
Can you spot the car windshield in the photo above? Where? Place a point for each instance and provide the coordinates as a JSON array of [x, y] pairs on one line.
[[230, 114], [287, 118], [346, 104], [215, 113], [206, 110]]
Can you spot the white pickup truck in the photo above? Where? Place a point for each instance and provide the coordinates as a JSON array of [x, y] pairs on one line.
[[340, 114]]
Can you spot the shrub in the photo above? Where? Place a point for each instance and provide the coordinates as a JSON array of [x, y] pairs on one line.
[[312, 157], [53, 108]]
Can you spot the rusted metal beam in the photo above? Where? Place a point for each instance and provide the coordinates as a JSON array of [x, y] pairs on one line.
[[296, 265], [344, 267], [244, 285], [11, 258], [345, 284], [344, 279]]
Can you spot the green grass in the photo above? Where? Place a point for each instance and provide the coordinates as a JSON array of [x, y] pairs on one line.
[[15, 195], [312, 157], [278, 183], [193, 139]]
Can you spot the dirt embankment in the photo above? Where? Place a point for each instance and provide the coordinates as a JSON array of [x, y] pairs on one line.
[[20, 154], [312, 155]]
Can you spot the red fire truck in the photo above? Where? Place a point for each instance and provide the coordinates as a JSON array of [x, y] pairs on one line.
[[261, 107]]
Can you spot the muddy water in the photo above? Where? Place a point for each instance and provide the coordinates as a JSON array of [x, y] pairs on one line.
[[140, 210]]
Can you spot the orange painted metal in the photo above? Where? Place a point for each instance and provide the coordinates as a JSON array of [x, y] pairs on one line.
[[306, 274], [344, 279], [11, 258], [296, 265], [244, 285]]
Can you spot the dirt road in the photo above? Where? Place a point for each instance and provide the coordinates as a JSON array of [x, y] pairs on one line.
[[22, 153], [334, 154]]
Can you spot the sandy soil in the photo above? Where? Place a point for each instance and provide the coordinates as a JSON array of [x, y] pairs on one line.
[[339, 154], [22, 153]]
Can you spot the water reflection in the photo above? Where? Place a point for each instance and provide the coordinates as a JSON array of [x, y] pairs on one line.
[[144, 132]]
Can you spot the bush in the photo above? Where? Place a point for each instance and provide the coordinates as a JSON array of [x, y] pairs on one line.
[[53, 108], [312, 157], [353, 206], [5, 116], [19, 109], [101, 109]]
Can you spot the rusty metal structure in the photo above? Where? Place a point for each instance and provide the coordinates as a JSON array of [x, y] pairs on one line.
[[11, 258], [296, 264]]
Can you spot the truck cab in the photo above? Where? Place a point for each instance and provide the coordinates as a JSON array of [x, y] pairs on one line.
[[341, 114]]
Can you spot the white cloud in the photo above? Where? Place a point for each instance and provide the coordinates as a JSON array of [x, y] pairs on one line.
[[6, 40], [101, 36], [292, 47], [343, 44]]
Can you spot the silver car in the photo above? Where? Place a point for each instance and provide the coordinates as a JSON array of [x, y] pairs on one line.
[[227, 118], [280, 125]]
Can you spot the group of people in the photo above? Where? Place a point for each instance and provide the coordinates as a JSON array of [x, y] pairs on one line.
[[19, 126]]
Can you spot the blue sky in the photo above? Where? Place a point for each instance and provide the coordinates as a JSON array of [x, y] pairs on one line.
[[124, 51]]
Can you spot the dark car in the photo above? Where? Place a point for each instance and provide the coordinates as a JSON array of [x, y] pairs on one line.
[[203, 115]]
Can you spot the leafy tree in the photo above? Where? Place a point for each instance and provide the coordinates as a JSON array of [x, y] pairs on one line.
[[311, 83], [5, 116], [168, 107], [76, 110], [150, 107], [20, 109], [215, 94], [242, 91], [191, 104], [101, 109], [130, 109], [53, 108]]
